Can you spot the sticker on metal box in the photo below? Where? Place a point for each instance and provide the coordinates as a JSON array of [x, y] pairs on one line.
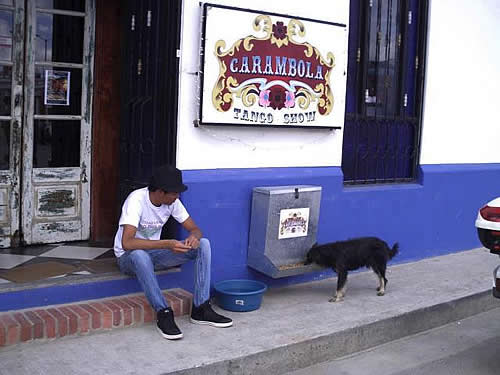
[[293, 223]]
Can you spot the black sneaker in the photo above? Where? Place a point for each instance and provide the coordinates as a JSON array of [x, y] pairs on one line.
[[166, 324], [204, 314]]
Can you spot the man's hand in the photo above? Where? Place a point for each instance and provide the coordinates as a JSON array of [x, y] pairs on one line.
[[179, 246], [194, 233], [192, 241]]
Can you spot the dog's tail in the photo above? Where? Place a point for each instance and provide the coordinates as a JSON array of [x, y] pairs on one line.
[[394, 251]]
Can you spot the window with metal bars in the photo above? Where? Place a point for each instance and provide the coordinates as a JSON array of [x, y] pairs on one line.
[[384, 90]]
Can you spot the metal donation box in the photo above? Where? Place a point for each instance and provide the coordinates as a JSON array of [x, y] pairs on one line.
[[283, 228]]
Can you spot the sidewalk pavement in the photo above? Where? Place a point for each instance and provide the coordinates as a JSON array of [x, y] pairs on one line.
[[295, 327]]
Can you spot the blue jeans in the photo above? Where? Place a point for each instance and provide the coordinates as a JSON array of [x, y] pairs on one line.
[[144, 263]]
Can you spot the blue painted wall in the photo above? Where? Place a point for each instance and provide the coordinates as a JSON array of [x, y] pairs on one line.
[[432, 217]]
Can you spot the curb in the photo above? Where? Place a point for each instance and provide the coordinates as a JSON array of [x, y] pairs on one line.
[[324, 348]]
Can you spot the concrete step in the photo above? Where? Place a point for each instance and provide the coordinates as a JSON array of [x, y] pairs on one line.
[[295, 327], [82, 318]]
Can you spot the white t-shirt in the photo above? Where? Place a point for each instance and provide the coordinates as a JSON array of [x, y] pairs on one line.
[[139, 212]]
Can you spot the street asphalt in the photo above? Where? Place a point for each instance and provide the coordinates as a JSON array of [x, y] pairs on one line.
[[295, 327]]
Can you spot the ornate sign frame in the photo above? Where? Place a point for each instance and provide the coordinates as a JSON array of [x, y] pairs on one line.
[[264, 72]]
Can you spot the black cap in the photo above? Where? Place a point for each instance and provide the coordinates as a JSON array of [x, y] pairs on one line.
[[168, 179]]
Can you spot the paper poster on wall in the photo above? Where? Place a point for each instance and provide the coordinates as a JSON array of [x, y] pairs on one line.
[[267, 69], [56, 87], [293, 223]]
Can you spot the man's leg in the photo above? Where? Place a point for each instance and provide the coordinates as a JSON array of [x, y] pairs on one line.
[[163, 259], [139, 263], [202, 312], [202, 266]]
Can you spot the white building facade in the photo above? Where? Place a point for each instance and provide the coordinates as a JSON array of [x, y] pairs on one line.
[[429, 211]]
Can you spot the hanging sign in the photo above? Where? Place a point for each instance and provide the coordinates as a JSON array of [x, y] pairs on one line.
[[271, 70], [56, 87]]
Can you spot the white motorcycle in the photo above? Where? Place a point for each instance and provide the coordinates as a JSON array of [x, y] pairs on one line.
[[488, 229]]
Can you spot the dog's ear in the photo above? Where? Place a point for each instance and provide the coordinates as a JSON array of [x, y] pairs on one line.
[[309, 255], [313, 255]]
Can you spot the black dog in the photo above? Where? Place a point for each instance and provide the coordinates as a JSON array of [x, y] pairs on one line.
[[344, 256]]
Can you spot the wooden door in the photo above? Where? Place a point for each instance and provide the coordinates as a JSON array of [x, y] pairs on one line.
[[48, 183]]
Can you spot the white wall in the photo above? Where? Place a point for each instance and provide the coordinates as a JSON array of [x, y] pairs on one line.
[[230, 147], [461, 121]]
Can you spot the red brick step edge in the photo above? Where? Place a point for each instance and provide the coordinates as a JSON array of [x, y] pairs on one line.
[[82, 318]]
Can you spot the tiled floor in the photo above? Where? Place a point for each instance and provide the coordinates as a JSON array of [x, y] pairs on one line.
[[33, 263], [75, 252], [9, 261]]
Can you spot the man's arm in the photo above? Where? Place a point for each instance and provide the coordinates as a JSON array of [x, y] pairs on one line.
[[130, 242], [195, 233]]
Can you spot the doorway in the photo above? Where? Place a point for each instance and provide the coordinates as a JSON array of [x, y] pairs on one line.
[[46, 80]]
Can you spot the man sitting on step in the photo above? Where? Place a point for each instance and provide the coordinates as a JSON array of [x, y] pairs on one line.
[[140, 251]]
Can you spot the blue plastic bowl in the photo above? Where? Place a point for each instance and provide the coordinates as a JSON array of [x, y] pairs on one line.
[[239, 295]]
